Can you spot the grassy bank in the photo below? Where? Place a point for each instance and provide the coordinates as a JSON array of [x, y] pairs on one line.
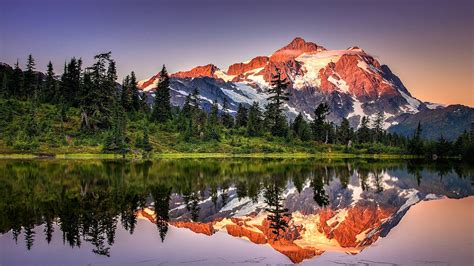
[[79, 156], [57, 133]]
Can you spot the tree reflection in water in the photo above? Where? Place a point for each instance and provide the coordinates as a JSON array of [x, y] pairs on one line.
[[277, 213], [87, 200]]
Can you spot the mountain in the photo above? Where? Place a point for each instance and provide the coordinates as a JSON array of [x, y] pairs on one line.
[[351, 81], [449, 122]]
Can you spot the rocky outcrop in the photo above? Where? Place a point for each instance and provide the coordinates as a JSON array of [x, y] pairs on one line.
[[196, 227], [294, 49], [364, 77], [358, 221], [240, 68], [197, 72], [148, 84], [262, 234]]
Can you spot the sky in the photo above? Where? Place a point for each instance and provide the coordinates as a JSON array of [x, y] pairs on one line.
[[427, 43]]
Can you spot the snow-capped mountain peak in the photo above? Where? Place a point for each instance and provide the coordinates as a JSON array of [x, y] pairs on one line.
[[351, 81]]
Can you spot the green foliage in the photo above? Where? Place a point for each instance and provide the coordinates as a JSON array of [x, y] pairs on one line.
[[345, 132], [415, 144], [116, 139], [212, 123], [241, 119], [162, 107], [278, 215], [319, 126], [87, 112], [275, 120], [226, 119]]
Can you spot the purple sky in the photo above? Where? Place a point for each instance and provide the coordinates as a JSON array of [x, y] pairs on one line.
[[429, 44]]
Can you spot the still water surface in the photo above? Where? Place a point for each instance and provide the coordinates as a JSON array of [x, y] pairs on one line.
[[211, 211]]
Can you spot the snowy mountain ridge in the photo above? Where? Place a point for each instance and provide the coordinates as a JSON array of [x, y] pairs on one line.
[[353, 83]]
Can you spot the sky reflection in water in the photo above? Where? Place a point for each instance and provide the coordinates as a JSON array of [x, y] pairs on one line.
[[114, 211]]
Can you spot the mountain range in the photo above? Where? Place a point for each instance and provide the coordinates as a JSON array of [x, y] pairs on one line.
[[352, 82]]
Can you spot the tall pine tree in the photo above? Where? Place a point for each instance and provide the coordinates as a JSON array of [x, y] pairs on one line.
[[320, 126], [49, 93], [15, 87], [162, 107], [377, 126], [363, 133], [30, 82], [136, 102], [345, 132], [241, 117], [254, 123], [279, 95], [212, 126], [126, 95], [226, 119]]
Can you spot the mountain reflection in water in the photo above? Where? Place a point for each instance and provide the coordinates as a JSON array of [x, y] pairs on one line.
[[300, 207]]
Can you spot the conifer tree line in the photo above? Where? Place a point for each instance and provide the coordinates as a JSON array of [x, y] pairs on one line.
[[104, 105]]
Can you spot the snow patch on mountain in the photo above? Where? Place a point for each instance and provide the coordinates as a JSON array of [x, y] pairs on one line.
[[291, 109], [257, 78], [357, 109], [149, 87], [368, 67], [314, 62], [434, 106], [249, 94], [339, 83], [412, 198], [222, 75]]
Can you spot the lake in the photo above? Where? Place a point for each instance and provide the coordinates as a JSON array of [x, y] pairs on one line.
[[242, 211]]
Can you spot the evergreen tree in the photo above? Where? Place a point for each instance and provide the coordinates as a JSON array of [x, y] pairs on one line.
[[226, 119], [363, 133], [254, 123], [277, 216], [190, 116], [242, 116], [377, 126], [319, 194], [161, 197], [146, 145], [49, 93], [101, 92], [30, 82], [301, 128], [4, 92], [464, 146], [71, 82], [136, 102], [297, 125], [126, 95], [143, 102], [16, 84], [116, 142], [212, 131], [415, 145], [31, 121], [279, 95], [162, 107], [443, 147], [319, 126], [345, 132]]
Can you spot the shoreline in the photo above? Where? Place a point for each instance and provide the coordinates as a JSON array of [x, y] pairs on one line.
[[81, 156]]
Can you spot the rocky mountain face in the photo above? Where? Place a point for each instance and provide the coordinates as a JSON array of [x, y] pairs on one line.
[[448, 122], [351, 81]]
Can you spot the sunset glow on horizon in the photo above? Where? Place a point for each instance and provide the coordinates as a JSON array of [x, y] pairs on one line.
[[428, 44]]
